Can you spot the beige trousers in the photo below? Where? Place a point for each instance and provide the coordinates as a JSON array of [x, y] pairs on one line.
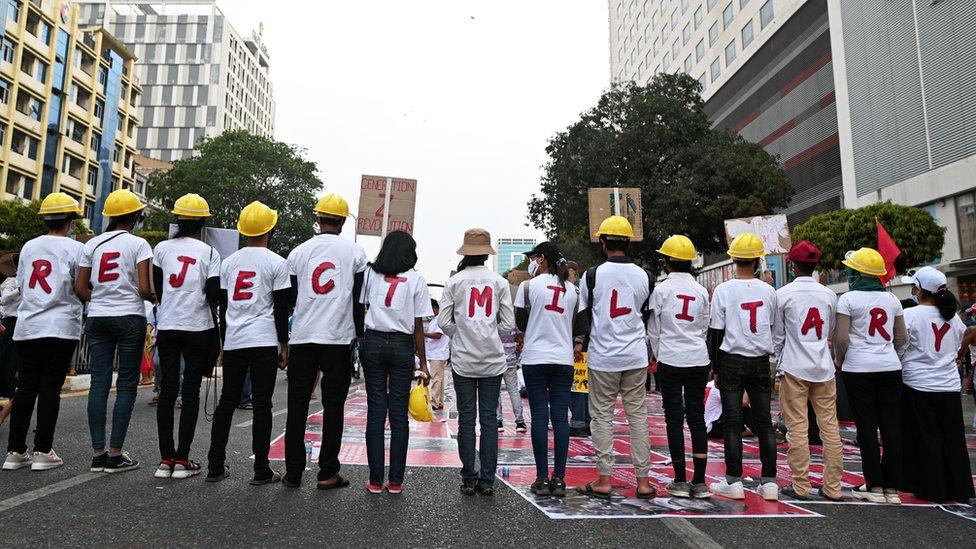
[[604, 388], [436, 368], [794, 393]]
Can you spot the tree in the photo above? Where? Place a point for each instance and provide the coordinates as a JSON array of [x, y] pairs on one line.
[[231, 171], [19, 223], [658, 138], [916, 233]]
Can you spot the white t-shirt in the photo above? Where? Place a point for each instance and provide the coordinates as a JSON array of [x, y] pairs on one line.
[[678, 323], [745, 309], [326, 266], [46, 273], [872, 329], [187, 264], [114, 257], [395, 302], [437, 349], [549, 333], [929, 358], [9, 297], [804, 323], [617, 335], [250, 276], [713, 405]]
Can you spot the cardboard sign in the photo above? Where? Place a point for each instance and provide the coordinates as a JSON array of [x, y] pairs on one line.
[[372, 201], [774, 231], [607, 201], [581, 377]]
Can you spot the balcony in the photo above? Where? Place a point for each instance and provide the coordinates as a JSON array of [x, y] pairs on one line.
[[21, 119], [22, 162]]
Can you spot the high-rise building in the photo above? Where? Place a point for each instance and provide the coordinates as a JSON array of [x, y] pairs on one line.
[[862, 101], [511, 252], [200, 77], [67, 106]]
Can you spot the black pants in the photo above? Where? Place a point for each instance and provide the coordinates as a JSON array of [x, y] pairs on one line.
[[875, 399], [42, 365], [194, 348], [8, 359], [388, 363], [262, 364], [751, 376], [937, 464], [335, 363], [683, 393]]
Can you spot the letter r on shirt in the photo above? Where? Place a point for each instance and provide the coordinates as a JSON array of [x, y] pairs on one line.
[[41, 270]]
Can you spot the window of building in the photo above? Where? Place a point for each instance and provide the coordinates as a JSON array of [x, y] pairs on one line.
[[966, 219], [99, 110], [663, 5], [699, 16], [700, 50], [711, 4], [727, 15], [713, 34], [24, 144], [656, 46], [730, 53], [702, 80], [686, 34], [766, 14], [743, 3], [666, 62], [665, 33], [96, 141], [44, 32], [13, 10], [674, 19], [684, 5], [29, 105], [4, 91], [716, 68], [7, 49], [102, 75], [688, 64], [747, 34], [676, 49]]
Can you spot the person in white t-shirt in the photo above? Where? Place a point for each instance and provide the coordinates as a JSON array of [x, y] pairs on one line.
[[937, 466], [870, 327], [676, 332], [47, 333], [9, 301], [254, 300], [396, 301], [327, 279], [545, 309], [614, 298], [438, 347], [804, 325], [740, 341], [186, 275], [115, 279]]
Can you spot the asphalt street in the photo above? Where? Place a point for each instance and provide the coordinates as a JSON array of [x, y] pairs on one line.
[[72, 507]]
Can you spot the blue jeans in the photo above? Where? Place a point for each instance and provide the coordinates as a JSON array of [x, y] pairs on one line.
[[477, 397], [246, 391], [106, 336], [548, 387], [387, 359], [579, 406]]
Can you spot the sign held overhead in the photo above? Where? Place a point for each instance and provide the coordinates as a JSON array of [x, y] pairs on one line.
[[607, 201], [774, 230], [386, 204]]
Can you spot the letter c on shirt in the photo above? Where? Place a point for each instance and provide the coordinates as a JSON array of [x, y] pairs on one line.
[[317, 286]]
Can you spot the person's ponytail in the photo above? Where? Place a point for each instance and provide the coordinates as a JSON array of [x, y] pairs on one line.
[[562, 271], [946, 302]]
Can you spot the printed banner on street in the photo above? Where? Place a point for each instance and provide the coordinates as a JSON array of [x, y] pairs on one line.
[[603, 204], [372, 200], [774, 231]]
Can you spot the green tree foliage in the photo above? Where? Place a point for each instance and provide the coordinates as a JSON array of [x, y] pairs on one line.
[[19, 223], [231, 171], [153, 237], [658, 138], [914, 230]]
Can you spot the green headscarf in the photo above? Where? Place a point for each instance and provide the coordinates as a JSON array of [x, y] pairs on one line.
[[862, 282]]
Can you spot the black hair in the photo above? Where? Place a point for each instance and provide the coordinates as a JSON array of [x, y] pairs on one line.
[[615, 245], [434, 304], [129, 219], [677, 265], [557, 265], [944, 300], [397, 254], [804, 268], [331, 220], [754, 262], [189, 227], [472, 261], [60, 223]]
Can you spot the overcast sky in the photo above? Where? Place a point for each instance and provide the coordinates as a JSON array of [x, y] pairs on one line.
[[461, 95]]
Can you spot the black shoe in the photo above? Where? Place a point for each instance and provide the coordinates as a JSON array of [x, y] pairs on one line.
[[500, 426], [521, 427], [540, 487], [790, 492], [821, 493], [120, 463], [291, 483], [581, 432], [557, 487], [486, 490], [468, 487], [269, 477], [98, 462], [217, 475]]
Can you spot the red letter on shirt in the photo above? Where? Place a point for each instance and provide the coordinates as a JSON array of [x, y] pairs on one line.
[[556, 292], [878, 318], [617, 311], [317, 286], [42, 268], [394, 282], [685, 303], [242, 283], [939, 334], [753, 308], [106, 264], [177, 280], [480, 298], [813, 320]]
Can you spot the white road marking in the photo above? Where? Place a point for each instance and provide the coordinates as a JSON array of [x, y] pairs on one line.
[[34, 495], [250, 422], [690, 534]]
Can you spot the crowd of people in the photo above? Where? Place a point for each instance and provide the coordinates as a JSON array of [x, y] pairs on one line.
[[256, 312]]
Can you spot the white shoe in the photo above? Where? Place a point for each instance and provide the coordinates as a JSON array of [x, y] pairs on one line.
[[769, 491], [874, 495], [16, 460], [45, 462], [165, 469], [891, 496], [731, 491]]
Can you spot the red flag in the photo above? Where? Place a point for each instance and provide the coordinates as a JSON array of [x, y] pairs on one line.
[[888, 250]]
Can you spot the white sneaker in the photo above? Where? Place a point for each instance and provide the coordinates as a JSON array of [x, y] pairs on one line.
[[891, 496], [44, 462], [16, 460], [769, 491], [731, 491], [874, 495]]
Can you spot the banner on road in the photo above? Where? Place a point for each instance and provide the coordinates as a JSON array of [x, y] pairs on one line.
[[372, 203], [607, 201]]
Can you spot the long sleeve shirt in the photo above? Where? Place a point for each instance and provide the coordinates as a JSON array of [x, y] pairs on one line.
[[475, 309]]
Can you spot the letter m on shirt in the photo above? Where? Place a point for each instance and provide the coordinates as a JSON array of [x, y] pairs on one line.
[[480, 301]]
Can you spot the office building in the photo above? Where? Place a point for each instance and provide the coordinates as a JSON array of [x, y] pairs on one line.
[[200, 76], [67, 106], [862, 101], [511, 252]]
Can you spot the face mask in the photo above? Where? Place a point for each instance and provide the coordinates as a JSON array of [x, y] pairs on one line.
[[533, 268]]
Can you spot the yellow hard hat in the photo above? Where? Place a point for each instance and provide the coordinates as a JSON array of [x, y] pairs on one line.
[[332, 204], [256, 219], [616, 225], [191, 205], [680, 247], [747, 246], [867, 261], [419, 404], [122, 202], [58, 204]]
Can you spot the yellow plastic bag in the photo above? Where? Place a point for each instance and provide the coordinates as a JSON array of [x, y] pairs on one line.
[[419, 405]]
